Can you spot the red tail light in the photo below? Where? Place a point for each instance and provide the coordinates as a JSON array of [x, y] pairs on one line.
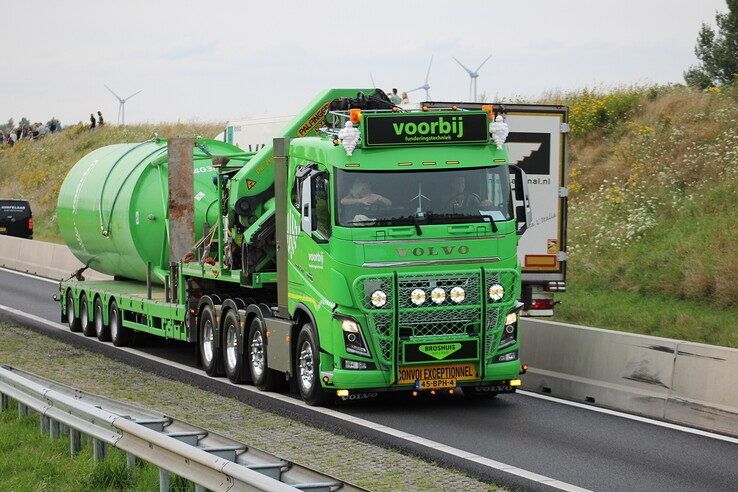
[[30, 224], [541, 304]]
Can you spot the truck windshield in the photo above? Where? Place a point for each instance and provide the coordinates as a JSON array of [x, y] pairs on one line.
[[384, 198]]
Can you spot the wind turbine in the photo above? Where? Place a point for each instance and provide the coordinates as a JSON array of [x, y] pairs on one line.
[[121, 105], [426, 86], [473, 76]]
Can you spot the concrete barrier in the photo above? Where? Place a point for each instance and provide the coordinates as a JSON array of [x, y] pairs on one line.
[[688, 383], [49, 260]]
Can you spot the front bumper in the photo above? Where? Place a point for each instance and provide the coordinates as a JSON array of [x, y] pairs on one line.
[[378, 380]]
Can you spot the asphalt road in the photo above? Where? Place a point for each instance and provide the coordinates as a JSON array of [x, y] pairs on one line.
[[589, 449]]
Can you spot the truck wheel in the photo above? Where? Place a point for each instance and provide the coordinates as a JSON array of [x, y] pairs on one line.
[[88, 328], [119, 334], [264, 378], [209, 355], [101, 329], [72, 320], [307, 360], [233, 354]]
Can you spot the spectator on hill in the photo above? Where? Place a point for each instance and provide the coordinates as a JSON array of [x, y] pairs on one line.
[[394, 98], [2, 137], [54, 125], [100, 121], [92, 121], [18, 133]]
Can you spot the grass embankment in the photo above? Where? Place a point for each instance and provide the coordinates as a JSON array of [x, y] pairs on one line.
[[653, 223], [30, 460], [35, 170]]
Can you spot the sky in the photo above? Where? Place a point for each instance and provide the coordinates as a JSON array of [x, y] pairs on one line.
[[229, 60]]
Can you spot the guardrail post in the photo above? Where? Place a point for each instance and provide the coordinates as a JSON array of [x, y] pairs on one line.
[[75, 442], [130, 460], [22, 409], [55, 430], [163, 480], [98, 449], [4, 402], [44, 424]]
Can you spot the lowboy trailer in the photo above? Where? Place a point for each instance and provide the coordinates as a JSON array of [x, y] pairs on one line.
[[366, 249]]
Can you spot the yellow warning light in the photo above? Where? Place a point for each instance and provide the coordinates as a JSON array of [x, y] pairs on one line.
[[355, 116], [342, 393], [490, 110], [515, 382]]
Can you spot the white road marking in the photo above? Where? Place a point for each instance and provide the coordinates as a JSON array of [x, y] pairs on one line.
[[459, 453], [629, 416], [36, 277]]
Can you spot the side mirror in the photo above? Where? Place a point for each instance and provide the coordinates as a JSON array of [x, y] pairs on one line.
[[306, 206], [523, 212]]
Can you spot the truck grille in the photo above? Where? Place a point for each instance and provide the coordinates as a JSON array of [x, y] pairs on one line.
[[431, 320]]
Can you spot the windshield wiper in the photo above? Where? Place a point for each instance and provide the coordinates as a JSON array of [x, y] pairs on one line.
[[445, 219]]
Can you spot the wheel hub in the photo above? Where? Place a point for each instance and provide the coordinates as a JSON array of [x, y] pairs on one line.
[[306, 367], [207, 341], [257, 354], [114, 324], [232, 347], [98, 320]]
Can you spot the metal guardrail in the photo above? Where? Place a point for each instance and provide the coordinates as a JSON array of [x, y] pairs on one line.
[[209, 460]]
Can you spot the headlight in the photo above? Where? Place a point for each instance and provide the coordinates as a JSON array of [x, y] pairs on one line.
[[496, 292], [438, 295], [511, 318], [379, 298], [458, 295], [350, 326], [417, 296]]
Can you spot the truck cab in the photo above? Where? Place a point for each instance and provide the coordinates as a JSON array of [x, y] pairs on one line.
[[404, 251]]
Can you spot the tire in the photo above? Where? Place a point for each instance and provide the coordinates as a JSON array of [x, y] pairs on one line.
[[72, 320], [264, 378], [307, 368], [234, 359], [120, 335], [101, 329], [210, 357], [88, 327]]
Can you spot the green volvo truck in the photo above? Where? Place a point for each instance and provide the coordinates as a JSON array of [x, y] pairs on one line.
[[366, 249]]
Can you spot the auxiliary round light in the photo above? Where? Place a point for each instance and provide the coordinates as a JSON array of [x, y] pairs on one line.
[[417, 297], [496, 292], [379, 298], [458, 294], [438, 295]]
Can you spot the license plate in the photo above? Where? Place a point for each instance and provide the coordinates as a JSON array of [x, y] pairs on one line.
[[437, 383], [458, 372]]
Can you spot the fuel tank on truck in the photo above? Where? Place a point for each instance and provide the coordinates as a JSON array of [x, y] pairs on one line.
[[112, 208]]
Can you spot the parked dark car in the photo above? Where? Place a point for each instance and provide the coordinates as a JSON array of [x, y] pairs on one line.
[[16, 218]]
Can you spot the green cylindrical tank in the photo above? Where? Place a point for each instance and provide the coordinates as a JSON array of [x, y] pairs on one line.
[[112, 206]]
